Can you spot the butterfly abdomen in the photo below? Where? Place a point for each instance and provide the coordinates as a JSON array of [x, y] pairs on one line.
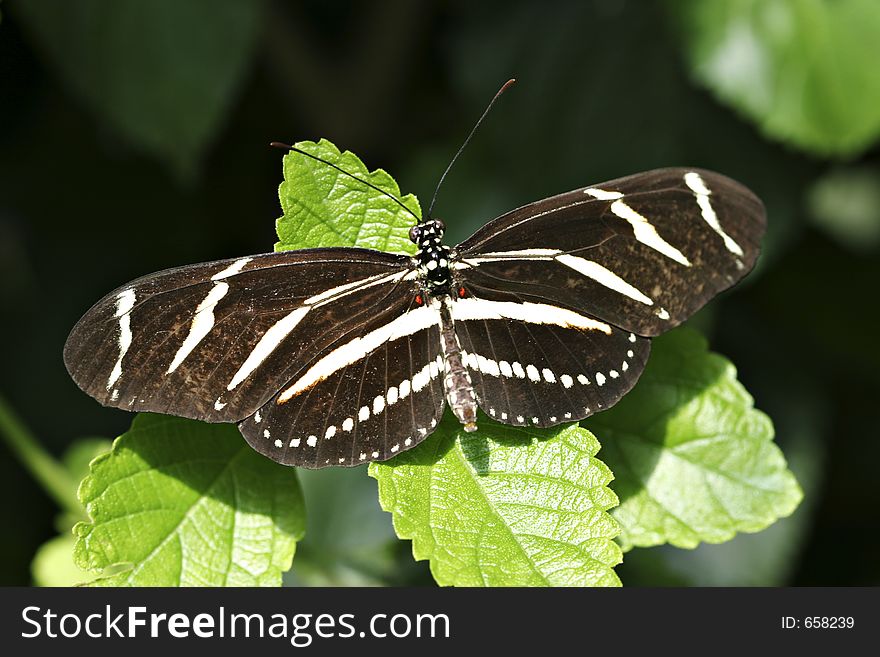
[[456, 381]]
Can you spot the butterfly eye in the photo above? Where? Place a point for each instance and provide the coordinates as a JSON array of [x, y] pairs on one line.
[[414, 233], [441, 226]]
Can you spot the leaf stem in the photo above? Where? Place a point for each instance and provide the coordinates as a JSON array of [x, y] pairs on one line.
[[48, 472]]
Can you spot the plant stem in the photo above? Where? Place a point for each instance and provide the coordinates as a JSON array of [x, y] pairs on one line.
[[50, 474]]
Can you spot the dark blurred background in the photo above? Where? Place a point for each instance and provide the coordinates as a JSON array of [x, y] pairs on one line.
[[134, 136]]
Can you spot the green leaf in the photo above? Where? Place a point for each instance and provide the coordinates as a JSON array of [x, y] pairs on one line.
[[505, 506], [183, 503], [323, 207], [161, 73], [693, 460], [803, 70]]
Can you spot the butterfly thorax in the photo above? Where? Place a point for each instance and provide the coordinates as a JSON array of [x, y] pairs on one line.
[[432, 256]]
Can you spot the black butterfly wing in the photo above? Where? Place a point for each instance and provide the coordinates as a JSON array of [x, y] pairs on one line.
[[216, 341], [642, 252], [358, 402], [540, 365]]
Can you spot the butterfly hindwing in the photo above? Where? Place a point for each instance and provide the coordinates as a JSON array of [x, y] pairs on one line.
[[355, 403], [531, 371], [643, 252]]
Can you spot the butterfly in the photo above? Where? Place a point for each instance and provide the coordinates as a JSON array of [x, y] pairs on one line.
[[339, 356], [342, 356]]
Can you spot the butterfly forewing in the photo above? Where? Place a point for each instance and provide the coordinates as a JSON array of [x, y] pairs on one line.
[[215, 341], [642, 252], [372, 403]]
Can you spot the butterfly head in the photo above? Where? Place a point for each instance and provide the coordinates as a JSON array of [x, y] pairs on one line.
[[427, 232]]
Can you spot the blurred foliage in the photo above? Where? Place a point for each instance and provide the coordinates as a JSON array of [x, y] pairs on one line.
[[53, 563], [349, 540], [792, 66], [162, 74], [846, 203], [604, 90]]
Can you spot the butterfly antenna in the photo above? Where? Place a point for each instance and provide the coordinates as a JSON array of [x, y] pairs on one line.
[[466, 141], [283, 146]]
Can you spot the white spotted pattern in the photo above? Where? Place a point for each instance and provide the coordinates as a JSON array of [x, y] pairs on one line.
[[532, 372]]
